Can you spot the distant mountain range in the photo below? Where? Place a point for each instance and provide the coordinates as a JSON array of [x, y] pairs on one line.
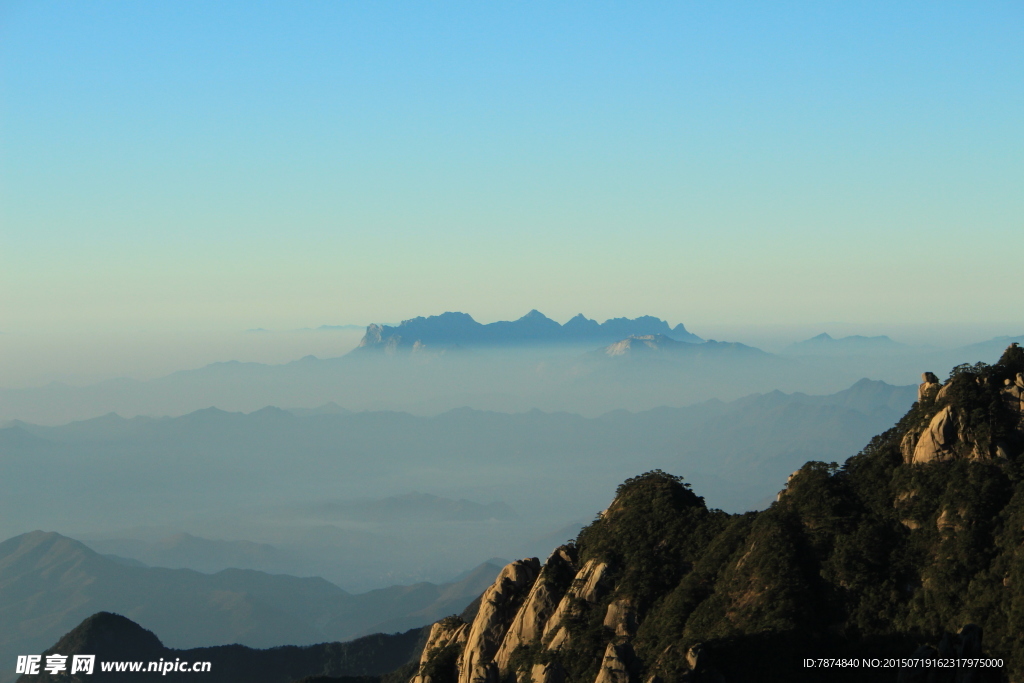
[[198, 471], [49, 583], [451, 361], [459, 330], [826, 345]]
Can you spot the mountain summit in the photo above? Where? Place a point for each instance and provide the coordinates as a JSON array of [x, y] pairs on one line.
[[450, 330]]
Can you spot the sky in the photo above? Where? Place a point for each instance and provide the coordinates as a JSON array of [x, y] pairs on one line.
[[173, 173]]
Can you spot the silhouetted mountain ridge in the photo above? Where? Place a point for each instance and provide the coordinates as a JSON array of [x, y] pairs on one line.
[[115, 638], [453, 330], [826, 345]]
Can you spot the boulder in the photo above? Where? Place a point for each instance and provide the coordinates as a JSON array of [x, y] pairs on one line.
[[929, 387], [936, 442]]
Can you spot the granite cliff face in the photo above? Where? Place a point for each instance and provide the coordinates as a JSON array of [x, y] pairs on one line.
[[914, 547]]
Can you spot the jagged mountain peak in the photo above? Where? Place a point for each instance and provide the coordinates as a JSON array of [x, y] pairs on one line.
[[534, 314], [451, 330]]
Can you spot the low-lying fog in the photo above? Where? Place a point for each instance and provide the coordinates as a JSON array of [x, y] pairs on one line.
[[382, 468]]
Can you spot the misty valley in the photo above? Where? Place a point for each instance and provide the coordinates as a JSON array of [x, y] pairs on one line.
[[320, 503]]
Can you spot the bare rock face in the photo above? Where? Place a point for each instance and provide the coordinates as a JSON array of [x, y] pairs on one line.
[[443, 634], [783, 492], [446, 632], [908, 443], [498, 607], [613, 666], [545, 673], [949, 521], [590, 584], [929, 387], [621, 617], [1013, 396], [544, 597], [694, 656], [947, 435], [373, 336], [936, 442]]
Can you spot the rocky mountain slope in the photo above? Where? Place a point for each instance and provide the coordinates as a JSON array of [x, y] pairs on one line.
[[912, 548]]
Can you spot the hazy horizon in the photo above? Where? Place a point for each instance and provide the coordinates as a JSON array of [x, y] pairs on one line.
[[30, 359], [172, 174]]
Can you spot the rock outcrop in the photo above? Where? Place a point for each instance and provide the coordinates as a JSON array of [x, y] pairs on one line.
[[498, 608], [589, 585], [545, 595], [947, 430], [545, 673], [929, 387], [444, 634], [614, 667], [1013, 397], [620, 618], [936, 442]]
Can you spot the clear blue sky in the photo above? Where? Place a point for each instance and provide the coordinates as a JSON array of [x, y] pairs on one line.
[[197, 165]]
